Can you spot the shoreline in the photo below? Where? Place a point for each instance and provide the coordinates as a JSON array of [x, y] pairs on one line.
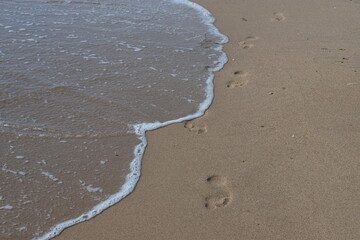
[[276, 155], [140, 130]]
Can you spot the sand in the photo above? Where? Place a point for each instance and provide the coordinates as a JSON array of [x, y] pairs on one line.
[[277, 155]]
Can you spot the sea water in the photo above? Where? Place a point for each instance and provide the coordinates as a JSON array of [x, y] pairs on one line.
[[80, 84]]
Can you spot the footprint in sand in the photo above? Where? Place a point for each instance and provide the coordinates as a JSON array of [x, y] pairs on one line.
[[247, 43], [238, 82], [278, 17], [193, 126], [220, 195]]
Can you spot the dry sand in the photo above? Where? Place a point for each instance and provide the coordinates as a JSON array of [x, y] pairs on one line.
[[277, 156]]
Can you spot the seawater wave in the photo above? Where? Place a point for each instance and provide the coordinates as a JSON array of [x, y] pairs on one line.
[[101, 105]]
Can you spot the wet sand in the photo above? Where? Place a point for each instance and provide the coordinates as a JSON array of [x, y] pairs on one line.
[[277, 154]]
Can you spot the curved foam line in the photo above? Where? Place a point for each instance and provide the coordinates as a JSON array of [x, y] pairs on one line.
[[140, 129]]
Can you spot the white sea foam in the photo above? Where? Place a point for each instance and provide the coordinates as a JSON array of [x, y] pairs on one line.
[[13, 171], [6, 207], [140, 130], [49, 175], [90, 188]]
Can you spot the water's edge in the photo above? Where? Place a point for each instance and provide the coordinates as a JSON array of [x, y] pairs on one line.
[[140, 130]]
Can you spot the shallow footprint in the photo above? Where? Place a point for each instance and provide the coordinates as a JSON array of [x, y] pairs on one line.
[[239, 82], [236, 83], [247, 42], [278, 17], [217, 180], [246, 45], [220, 195], [217, 201], [199, 129]]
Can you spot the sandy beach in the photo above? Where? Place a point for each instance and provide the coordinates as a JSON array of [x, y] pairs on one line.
[[277, 155]]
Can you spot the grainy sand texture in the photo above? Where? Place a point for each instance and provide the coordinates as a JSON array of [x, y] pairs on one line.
[[277, 155]]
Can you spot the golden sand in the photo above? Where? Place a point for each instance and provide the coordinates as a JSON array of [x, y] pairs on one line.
[[277, 156]]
